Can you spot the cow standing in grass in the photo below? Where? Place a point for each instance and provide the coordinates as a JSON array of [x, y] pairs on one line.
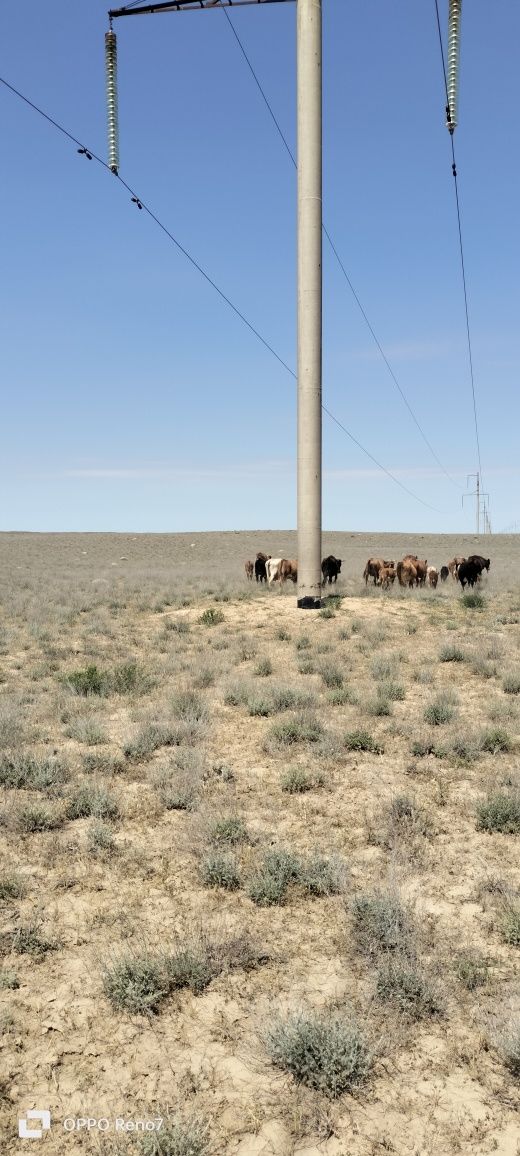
[[260, 564], [249, 569], [288, 571], [330, 568], [273, 570], [406, 572]]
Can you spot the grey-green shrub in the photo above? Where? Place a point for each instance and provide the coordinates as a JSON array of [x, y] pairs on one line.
[[451, 653], [404, 983], [471, 969], [270, 882], [494, 740], [300, 728], [90, 800], [36, 817], [27, 939], [26, 771], [230, 829], [211, 617], [382, 923], [320, 875], [440, 712], [511, 683], [473, 600], [136, 984], [219, 871], [11, 887], [323, 1050], [511, 925], [500, 812], [100, 839], [181, 1138], [88, 682], [361, 740]]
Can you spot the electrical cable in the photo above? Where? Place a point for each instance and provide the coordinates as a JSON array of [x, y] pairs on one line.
[[335, 251], [141, 204], [463, 268]]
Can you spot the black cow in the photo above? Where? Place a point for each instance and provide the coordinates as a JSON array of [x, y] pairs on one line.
[[482, 563], [260, 570], [468, 572], [444, 573], [330, 569]]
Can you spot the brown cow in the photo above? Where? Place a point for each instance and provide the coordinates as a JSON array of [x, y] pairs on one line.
[[422, 570], [386, 576], [250, 569], [433, 576], [406, 572], [288, 570], [453, 566]]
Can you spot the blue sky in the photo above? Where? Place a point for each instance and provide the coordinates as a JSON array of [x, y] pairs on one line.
[[133, 397]]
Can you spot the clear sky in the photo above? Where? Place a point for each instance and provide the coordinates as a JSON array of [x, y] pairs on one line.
[[133, 397]]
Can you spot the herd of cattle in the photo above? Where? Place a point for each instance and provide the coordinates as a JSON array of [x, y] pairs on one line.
[[410, 571], [267, 569], [414, 571]]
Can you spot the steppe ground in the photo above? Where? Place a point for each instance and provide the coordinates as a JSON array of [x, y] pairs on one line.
[[260, 867]]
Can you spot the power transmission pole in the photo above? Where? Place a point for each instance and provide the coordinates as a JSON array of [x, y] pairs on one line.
[[478, 494], [309, 102]]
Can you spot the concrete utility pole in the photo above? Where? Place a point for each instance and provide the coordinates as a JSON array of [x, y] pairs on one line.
[[309, 89], [309, 101]]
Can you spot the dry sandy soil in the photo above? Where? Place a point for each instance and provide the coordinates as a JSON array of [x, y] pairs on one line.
[[259, 867]]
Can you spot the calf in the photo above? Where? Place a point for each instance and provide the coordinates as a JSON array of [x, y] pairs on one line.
[[432, 575], [372, 569], [454, 565], [250, 569], [330, 569], [386, 576], [444, 573]]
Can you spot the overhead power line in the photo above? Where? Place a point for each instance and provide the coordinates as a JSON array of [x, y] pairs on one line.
[[141, 204], [327, 234], [451, 127]]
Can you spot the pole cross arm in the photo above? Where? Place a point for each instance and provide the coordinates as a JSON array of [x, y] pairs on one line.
[[187, 6]]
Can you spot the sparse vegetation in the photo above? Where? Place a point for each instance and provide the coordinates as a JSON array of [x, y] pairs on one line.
[[217, 819]]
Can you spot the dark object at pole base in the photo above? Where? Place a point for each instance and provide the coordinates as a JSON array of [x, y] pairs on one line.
[[309, 603]]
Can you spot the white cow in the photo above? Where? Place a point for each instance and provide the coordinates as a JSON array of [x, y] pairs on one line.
[[272, 567]]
